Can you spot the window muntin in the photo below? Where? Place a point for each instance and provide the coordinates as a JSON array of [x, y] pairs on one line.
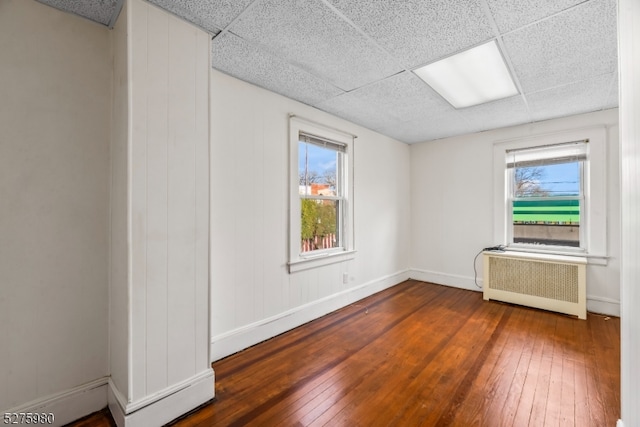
[[546, 201]]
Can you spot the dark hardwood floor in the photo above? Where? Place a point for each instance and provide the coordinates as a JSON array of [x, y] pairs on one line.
[[423, 354]]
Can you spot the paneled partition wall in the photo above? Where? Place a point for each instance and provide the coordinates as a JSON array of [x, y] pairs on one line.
[[159, 305]]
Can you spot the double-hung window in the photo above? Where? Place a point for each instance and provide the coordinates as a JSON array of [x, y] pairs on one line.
[[550, 193], [546, 195], [321, 202]]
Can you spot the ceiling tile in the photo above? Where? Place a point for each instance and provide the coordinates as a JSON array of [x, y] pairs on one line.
[[356, 110], [502, 113], [397, 99], [236, 57], [512, 14], [442, 125], [569, 47], [419, 31], [308, 34], [211, 15], [576, 98], [100, 11]]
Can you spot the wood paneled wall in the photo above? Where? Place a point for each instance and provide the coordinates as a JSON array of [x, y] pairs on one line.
[[629, 34], [166, 164]]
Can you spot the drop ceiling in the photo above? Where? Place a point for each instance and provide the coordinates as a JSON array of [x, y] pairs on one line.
[[355, 58]]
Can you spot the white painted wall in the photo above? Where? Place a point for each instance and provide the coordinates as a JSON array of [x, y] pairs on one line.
[[629, 49], [253, 297], [161, 205], [453, 212], [55, 92]]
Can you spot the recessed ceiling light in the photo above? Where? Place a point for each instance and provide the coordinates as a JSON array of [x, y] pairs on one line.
[[472, 77]]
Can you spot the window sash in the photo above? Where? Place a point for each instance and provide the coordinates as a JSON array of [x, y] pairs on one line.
[[322, 142], [580, 197], [339, 197], [511, 172], [546, 155]]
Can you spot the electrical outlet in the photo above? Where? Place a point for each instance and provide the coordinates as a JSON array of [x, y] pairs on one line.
[[345, 278]]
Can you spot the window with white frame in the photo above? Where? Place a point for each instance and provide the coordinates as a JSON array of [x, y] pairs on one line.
[[321, 202], [546, 197], [550, 193]]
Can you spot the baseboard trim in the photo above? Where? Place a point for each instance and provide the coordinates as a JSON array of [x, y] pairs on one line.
[[595, 304], [601, 305], [453, 280], [238, 339], [69, 405], [164, 406]]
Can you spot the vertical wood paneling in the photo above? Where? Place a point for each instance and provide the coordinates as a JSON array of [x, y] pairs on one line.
[[246, 214], [138, 196], [260, 198], [157, 200], [201, 233], [274, 217], [119, 284], [223, 145], [181, 216], [629, 34], [169, 200]]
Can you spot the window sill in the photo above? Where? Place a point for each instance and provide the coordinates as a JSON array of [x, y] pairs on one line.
[[591, 258], [320, 260]]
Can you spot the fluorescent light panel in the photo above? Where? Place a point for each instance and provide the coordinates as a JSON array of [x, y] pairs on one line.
[[472, 77]]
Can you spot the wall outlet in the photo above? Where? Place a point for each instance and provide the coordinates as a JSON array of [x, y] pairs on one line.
[[345, 278]]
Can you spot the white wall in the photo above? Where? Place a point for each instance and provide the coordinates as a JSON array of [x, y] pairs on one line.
[[629, 48], [453, 210], [55, 86], [160, 287], [253, 297]]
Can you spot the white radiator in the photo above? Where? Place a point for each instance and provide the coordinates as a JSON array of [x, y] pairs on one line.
[[550, 282]]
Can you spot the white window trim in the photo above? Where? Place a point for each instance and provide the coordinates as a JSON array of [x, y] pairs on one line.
[[298, 261], [594, 187]]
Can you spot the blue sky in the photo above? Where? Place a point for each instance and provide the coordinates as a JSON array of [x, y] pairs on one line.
[[562, 178], [320, 159]]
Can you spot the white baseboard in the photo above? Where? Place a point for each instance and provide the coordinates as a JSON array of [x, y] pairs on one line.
[[608, 306], [453, 280], [69, 405], [163, 406], [238, 339], [595, 304]]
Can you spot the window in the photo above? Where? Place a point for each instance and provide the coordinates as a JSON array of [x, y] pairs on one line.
[[321, 193], [321, 211], [546, 197], [567, 192]]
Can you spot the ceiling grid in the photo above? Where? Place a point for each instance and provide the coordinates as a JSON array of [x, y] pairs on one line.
[[355, 58]]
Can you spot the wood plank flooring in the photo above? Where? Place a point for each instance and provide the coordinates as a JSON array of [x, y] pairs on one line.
[[422, 354]]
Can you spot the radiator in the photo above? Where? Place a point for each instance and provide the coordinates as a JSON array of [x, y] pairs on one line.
[[550, 282]]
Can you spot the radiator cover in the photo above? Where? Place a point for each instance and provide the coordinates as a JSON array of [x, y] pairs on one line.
[[550, 282]]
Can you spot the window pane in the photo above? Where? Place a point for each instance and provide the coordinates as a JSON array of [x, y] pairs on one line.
[[547, 222], [319, 224], [317, 170], [550, 219], [555, 180]]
